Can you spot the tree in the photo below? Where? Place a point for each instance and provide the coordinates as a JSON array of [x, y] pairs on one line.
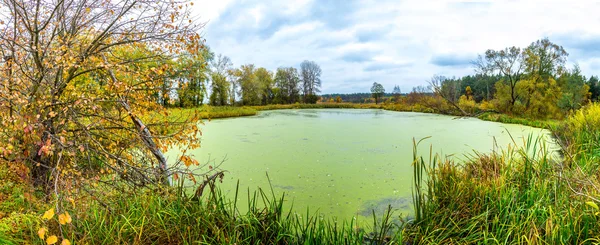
[[575, 91], [509, 62], [397, 93], [447, 89], [377, 91], [310, 72], [544, 62], [249, 85], [264, 78], [469, 93], [219, 90], [594, 88], [79, 102], [220, 87], [288, 83], [223, 71], [544, 59], [192, 74]]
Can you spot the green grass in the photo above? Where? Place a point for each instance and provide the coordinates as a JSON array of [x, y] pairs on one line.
[[518, 196], [502, 118], [521, 195], [168, 218]]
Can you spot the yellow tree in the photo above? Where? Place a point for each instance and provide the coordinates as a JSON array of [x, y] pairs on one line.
[[77, 86]]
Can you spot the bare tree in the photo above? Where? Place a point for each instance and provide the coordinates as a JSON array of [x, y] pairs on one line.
[[221, 64], [509, 62], [442, 87], [310, 73]]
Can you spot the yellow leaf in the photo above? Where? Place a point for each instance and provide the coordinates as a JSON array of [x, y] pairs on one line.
[[51, 240], [592, 204], [65, 242], [42, 233], [64, 218], [48, 214]]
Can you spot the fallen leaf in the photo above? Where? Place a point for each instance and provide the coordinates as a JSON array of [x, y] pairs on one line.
[[51, 240], [42, 232], [64, 218], [48, 214]]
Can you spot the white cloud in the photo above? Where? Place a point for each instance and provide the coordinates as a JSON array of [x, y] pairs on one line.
[[392, 42]]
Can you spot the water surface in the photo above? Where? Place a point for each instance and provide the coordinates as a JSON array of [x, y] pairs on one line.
[[343, 162]]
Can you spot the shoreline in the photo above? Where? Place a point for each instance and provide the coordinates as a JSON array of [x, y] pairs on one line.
[[219, 112]]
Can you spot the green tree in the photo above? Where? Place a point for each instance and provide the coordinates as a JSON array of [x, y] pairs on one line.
[[192, 75], [288, 82], [574, 89], [221, 86], [219, 89], [265, 81], [377, 91], [249, 85], [593, 84]]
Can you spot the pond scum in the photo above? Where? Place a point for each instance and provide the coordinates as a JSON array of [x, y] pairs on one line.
[[521, 195]]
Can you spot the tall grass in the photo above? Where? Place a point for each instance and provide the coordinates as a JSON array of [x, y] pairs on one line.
[[169, 218], [520, 195], [516, 196]]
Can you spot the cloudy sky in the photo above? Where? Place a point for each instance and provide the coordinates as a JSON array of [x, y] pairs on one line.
[[401, 42]]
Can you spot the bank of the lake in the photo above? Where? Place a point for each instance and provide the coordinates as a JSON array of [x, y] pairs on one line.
[[216, 112], [496, 198]]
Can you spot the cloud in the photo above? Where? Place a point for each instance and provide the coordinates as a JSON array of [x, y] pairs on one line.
[[368, 34], [358, 56], [451, 60], [389, 41], [579, 42], [385, 66]]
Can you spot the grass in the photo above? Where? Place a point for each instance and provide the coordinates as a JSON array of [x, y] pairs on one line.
[[168, 218], [503, 118], [521, 195]]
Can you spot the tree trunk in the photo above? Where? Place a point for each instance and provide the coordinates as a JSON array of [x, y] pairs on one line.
[[146, 136]]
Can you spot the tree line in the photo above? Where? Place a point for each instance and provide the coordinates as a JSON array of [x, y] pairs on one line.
[[531, 81], [221, 84]]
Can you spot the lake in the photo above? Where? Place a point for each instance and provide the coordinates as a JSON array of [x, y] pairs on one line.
[[341, 162]]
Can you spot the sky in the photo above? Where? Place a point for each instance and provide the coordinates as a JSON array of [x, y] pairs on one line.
[[402, 42]]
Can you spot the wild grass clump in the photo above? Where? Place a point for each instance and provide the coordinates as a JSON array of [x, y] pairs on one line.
[[517, 196], [580, 136], [212, 112], [167, 217]]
